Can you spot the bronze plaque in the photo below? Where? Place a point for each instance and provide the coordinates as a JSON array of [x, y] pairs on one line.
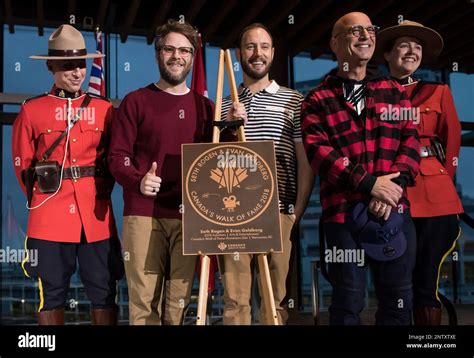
[[230, 197]]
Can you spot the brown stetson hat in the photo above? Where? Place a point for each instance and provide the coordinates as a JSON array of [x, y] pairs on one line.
[[66, 43], [431, 40]]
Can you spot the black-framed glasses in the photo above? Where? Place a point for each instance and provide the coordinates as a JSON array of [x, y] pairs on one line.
[[183, 51], [358, 30]]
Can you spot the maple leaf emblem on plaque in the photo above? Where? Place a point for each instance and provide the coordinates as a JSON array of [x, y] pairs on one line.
[[229, 177]]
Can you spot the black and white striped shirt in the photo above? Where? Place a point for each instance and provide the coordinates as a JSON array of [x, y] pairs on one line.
[[274, 114], [354, 93]]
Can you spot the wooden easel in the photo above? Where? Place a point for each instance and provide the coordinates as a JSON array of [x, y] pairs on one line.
[[266, 284]]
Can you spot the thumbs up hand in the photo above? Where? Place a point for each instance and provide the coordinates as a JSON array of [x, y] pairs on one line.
[[150, 184]]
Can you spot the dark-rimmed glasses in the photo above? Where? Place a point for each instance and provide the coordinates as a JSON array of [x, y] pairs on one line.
[[357, 30], [183, 51]]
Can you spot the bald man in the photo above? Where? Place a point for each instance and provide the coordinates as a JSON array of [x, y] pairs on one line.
[[365, 160]]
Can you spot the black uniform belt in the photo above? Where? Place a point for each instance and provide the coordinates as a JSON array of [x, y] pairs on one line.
[[76, 172], [427, 151]]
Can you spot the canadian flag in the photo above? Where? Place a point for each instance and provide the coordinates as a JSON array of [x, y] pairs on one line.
[[198, 85]]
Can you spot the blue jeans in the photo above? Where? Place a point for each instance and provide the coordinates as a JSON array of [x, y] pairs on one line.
[[392, 280]]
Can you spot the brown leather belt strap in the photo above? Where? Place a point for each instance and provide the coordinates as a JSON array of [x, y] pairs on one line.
[[75, 172]]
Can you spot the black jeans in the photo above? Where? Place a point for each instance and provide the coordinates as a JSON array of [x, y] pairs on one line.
[[392, 280], [436, 237]]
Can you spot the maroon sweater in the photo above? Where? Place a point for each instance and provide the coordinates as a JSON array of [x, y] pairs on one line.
[[150, 126]]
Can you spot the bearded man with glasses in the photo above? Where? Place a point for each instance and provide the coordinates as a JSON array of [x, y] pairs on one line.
[[145, 158], [365, 159]]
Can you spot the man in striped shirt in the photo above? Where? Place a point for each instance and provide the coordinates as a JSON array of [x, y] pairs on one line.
[[361, 157], [273, 114]]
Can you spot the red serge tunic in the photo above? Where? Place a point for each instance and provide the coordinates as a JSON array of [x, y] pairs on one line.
[[434, 193], [84, 203]]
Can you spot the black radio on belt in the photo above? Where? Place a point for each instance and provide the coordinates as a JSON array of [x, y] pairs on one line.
[[436, 149], [439, 149]]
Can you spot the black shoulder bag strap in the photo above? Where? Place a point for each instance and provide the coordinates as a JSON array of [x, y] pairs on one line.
[[53, 146]]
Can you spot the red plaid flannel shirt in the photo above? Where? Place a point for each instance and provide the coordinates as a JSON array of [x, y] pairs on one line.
[[349, 151]]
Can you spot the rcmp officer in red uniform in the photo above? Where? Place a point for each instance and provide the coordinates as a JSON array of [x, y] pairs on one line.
[[62, 138], [434, 200]]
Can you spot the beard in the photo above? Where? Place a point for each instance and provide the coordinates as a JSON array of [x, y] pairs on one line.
[[254, 74], [173, 78]]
